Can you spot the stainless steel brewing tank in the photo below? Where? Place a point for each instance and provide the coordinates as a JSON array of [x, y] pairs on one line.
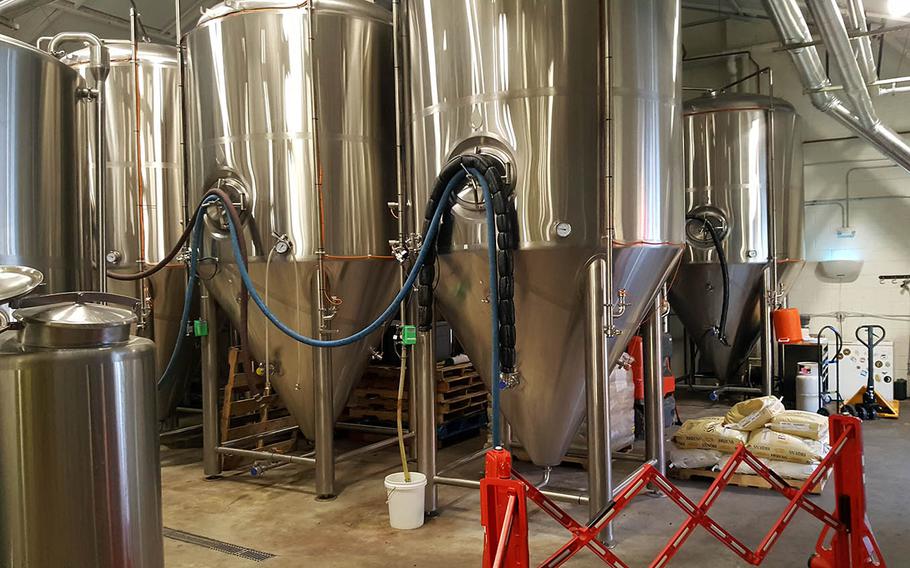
[[79, 467], [518, 79], [42, 212], [250, 124], [728, 159], [143, 224]]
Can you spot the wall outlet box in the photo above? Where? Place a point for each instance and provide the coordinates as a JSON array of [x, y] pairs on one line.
[[846, 233]]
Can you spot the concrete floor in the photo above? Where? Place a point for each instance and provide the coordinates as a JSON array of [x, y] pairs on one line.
[[278, 514]]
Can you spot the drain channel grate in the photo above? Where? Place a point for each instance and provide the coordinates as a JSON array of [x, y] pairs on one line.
[[217, 545]]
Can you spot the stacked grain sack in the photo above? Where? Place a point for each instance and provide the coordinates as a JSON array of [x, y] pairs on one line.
[[790, 442]]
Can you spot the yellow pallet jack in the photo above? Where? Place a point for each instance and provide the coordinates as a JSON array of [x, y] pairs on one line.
[[867, 404], [884, 408]]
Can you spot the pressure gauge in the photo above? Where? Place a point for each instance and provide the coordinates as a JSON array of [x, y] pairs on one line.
[[563, 230]]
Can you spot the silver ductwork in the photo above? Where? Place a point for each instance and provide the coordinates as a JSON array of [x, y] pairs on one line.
[[856, 10], [13, 8], [862, 119]]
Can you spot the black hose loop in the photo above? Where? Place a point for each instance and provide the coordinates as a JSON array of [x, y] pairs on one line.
[[725, 274], [506, 241]]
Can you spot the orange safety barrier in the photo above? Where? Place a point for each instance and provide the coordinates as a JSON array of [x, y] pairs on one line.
[[846, 540]]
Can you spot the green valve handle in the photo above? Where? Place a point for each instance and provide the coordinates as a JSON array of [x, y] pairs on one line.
[[201, 328], [409, 335]]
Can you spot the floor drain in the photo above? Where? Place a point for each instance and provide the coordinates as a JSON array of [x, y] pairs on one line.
[[217, 545]]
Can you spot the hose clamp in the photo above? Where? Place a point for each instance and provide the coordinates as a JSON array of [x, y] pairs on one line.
[[509, 380]]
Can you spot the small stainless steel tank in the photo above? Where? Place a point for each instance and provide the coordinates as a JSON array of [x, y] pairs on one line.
[[729, 154], [43, 216], [79, 465]]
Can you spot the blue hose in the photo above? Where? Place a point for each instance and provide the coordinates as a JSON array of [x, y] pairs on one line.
[[428, 242], [425, 248], [187, 303], [390, 311]]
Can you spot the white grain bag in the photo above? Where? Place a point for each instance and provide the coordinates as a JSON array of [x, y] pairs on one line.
[[801, 423], [709, 434], [787, 470], [754, 413], [683, 458], [766, 443]]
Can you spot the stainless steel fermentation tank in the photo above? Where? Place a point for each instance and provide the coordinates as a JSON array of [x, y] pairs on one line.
[[42, 213], [144, 213], [730, 158], [79, 472], [313, 176], [589, 161]]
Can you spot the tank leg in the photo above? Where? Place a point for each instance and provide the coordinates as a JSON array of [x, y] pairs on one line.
[[424, 370], [600, 473], [767, 337], [211, 437], [654, 411], [325, 412]]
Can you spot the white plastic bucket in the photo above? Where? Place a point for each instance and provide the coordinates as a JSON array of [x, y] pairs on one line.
[[405, 500]]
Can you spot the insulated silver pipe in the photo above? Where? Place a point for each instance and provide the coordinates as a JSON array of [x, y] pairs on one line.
[[100, 68], [211, 461], [793, 29], [10, 9], [830, 22], [600, 472], [856, 10], [653, 387]]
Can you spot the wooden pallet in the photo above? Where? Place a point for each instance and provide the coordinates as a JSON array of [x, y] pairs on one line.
[[743, 479], [387, 416], [459, 392], [250, 418]]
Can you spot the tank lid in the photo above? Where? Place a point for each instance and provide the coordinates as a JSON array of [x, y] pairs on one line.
[[74, 320], [17, 281], [733, 102], [121, 51]]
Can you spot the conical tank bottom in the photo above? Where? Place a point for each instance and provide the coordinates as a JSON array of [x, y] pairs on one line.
[[166, 290], [363, 288], [548, 405], [697, 298]]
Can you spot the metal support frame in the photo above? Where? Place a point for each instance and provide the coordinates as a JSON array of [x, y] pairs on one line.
[[654, 388], [424, 373], [324, 395], [767, 335], [211, 435], [600, 470]]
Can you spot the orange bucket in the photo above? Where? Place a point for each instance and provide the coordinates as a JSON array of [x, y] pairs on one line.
[[787, 328]]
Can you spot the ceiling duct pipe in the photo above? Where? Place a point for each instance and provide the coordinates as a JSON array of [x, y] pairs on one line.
[[856, 10], [13, 8], [793, 29]]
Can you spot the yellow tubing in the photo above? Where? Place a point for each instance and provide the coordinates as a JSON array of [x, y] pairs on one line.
[[401, 380]]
